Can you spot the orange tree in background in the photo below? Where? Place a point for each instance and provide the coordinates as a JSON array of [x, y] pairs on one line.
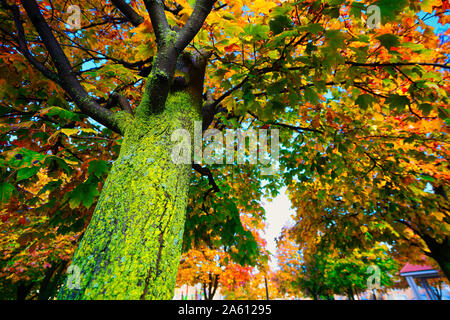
[[214, 268], [368, 108], [255, 288]]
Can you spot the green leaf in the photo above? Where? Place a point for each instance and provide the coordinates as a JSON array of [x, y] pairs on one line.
[[389, 40], [313, 28], [426, 177], [425, 108], [356, 9], [332, 12], [311, 95], [443, 113], [279, 23], [335, 39], [5, 110], [259, 32], [26, 173], [389, 9], [84, 193], [396, 101], [25, 157], [6, 190], [57, 161], [61, 113], [52, 185], [98, 168], [365, 100]]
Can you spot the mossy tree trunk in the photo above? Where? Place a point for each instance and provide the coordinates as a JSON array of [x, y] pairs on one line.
[[132, 246]]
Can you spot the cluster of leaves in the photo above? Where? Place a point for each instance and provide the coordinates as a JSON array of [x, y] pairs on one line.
[[218, 257], [51, 172], [368, 108], [329, 272], [54, 160]]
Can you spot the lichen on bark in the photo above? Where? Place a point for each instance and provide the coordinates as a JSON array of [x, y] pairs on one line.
[[132, 246]]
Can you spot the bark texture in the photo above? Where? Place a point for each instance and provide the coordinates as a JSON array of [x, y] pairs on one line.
[[132, 246]]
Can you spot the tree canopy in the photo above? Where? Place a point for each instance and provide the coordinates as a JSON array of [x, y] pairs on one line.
[[361, 109]]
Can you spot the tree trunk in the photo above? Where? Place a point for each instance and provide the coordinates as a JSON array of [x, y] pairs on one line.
[[440, 252], [53, 277], [132, 246], [212, 287], [374, 296], [267, 288], [350, 294]]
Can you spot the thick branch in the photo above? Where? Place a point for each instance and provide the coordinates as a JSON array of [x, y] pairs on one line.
[[160, 25], [118, 99], [67, 79], [170, 45], [128, 12]]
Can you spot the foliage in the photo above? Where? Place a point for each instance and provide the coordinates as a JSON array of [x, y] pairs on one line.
[[329, 272], [214, 267], [363, 118]]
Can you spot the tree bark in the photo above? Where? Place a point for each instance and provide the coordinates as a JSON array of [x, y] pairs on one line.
[[132, 246], [350, 294], [212, 287], [440, 252]]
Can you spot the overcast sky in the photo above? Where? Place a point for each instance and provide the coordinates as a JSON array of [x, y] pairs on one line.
[[278, 214]]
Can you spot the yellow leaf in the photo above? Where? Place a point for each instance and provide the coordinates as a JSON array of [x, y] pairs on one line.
[[69, 132], [89, 130]]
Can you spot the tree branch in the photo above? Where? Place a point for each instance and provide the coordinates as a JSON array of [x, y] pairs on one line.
[[67, 79], [206, 172], [158, 18], [118, 99], [393, 64], [128, 12], [195, 22], [288, 126], [22, 44]]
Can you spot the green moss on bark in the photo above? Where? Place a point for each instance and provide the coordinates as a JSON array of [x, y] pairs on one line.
[[132, 246]]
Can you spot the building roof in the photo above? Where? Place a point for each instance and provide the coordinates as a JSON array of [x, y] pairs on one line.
[[415, 268]]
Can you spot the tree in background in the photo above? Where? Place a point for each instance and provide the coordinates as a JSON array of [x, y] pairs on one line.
[[255, 288], [328, 272], [214, 268]]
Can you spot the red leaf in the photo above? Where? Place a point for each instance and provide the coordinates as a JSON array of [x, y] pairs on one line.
[[232, 47]]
